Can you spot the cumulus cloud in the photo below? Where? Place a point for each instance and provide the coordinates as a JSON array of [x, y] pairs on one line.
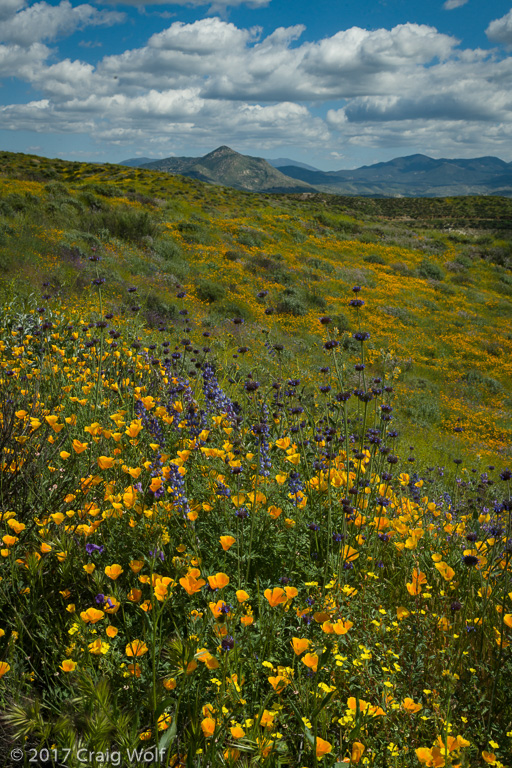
[[500, 30], [212, 82], [10, 7], [449, 5], [47, 22]]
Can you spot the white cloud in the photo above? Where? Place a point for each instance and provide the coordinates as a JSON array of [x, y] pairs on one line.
[[449, 5], [10, 7], [16, 61], [500, 30], [211, 82], [42, 21]]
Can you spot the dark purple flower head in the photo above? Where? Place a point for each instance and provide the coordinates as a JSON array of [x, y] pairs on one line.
[[228, 643], [100, 599]]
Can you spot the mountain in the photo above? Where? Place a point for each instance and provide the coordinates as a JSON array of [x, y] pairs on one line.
[[229, 168], [136, 162], [279, 162], [414, 176]]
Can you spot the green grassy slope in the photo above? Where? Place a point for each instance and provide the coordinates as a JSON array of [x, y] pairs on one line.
[[436, 278]]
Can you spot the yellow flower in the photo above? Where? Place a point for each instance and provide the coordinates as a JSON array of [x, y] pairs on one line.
[[311, 661], [267, 719], [208, 727], [68, 665], [112, 631], [4, 667], [79, 447], [218, 581], [113, 571], [357, 751], [89, 568], [410, 706], [111, 604], [191, 584], [300, 645], [169, 683], [136, 565], [136, 648], [105, 462], [241, 595], [91, 615], [275, 596], [227, 542], [322, 748], [237, 732], [278, 682], [98, 648]]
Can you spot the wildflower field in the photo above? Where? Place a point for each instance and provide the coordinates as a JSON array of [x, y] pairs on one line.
[[255, 484]]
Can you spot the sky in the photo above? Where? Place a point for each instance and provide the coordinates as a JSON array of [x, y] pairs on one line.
[[333, 83]]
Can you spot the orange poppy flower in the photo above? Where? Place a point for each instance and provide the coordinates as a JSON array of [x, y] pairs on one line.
[[227, 542], [136, 648], [275, 596], [218, 581], [322, 748], [113, 571], [300, 645]]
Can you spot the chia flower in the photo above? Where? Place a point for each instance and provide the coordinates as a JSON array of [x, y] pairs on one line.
[[455, 606], [361, 336], [357, 303], [228, 643], [90, 548], [470, 560], [100, 599], [506, 474]]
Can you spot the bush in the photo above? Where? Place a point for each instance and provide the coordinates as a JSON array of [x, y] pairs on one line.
[[159, 311], [374, 258], [167, 249], [429, 270], [291, 303], [124, 224], [209, 291]]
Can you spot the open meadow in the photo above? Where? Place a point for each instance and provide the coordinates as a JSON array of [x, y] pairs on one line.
[[255, 486]]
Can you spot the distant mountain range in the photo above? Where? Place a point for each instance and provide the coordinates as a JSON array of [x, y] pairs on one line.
[[412, 176]]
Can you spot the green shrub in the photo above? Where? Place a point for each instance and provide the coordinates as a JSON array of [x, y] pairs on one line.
[[195, 232], [374, 258], [210, 291], [167, 249], [291, 303], [429, 270], [158, 310], [400, 313], [124, 224]]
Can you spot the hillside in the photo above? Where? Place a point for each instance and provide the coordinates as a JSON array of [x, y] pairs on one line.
[[412, 176], [255, 461], [229, 168], [436, 273]]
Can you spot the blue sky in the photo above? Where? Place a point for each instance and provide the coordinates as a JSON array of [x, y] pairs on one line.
[[334, 83]]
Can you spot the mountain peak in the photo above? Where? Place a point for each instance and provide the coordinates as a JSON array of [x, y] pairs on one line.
[[222, 151]]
